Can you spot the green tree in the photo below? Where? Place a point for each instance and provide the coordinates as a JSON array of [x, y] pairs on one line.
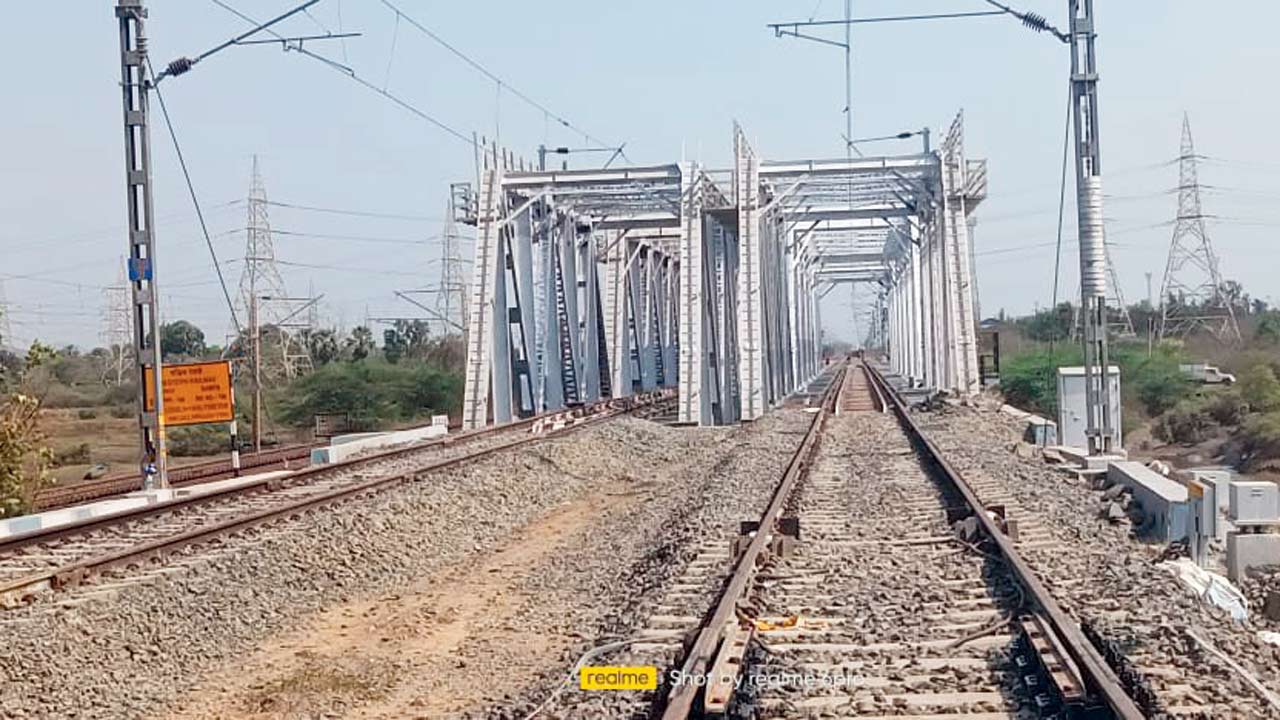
[[360, 344], [374, 394], [323, 346], [181, 339], [24, 461], [1268, 328], [1046, 325], [394, 345], [1029, 380], [1157, 380]]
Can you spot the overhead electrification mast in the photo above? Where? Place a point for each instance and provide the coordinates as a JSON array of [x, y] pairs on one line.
[[1093, 250], [141, 266]]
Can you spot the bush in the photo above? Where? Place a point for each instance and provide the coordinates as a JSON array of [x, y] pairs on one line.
[[122, 394], [1155, 380], [1227, 408], [121, 412], [77, 455], [373, 394], [196, 440], [87, 414], [1189, 422], [1260, 388], [1261, 436], [1029, 381], [66, 396]]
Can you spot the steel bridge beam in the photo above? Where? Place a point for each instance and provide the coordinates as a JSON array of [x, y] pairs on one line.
[[603, 283]]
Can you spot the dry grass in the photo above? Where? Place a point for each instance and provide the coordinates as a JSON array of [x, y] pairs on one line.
[[113, 441], [320, 684]]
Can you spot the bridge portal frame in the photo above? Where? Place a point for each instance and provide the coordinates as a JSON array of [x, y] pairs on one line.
[[600, 283]]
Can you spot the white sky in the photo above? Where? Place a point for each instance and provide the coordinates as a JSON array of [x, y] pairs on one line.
[[664, 77]]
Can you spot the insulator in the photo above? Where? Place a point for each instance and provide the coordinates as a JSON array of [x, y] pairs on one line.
[[1035, 21], [179, 66]]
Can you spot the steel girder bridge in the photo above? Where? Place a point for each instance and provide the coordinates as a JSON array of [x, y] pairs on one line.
[[589, 284]]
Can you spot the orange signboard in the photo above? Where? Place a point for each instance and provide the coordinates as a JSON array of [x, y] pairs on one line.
[[194, 393]]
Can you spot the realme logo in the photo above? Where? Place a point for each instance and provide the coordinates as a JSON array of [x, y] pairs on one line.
[[618, 678]]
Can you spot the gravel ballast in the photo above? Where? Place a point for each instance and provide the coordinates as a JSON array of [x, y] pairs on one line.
[[139, 649], [1103, 576]]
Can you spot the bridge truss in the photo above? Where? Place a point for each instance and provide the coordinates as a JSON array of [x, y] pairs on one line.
[[599, 283]]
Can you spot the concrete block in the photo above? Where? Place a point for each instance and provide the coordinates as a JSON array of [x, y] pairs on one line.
[[1081, 458], [1014, 412], [1254, 501], [1250, 550], [1166, 505], [1219, 477], [350, 446]]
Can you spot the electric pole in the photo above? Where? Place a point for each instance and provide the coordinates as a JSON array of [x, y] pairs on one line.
[[135, 88], [1093, 249]]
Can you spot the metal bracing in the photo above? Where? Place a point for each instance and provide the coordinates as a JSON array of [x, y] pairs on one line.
[[603, 283], [569, 300], [962, 325], [751, 280], [708, 299], [927, 280]]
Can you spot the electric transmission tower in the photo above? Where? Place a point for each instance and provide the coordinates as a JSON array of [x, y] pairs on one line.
[[448, 310], [117, 328], [451, 302], [1191, 295], [263, 298]]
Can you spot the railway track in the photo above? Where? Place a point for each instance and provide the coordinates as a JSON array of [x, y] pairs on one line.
[[883, 585], [57, 558], [284, 458]]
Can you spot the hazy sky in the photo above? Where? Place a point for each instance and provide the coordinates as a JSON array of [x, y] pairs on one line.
[[667, 78]]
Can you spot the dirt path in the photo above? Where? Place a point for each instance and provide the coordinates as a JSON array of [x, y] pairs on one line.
[[422, 654]]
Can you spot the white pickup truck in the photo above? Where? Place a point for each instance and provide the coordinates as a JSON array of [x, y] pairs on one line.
[[1207, 374]]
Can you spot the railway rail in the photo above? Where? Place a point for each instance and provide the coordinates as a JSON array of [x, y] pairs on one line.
[[878, 583], [284, 457], [64, 556]]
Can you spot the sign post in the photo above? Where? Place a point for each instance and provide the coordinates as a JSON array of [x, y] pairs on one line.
[[197, 393]]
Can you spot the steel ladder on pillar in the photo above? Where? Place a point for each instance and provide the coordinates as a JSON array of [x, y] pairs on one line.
[[568, 373]]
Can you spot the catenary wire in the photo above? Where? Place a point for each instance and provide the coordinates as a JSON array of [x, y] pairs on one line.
[[195, 201], [351, 73], [492, 76], [1062, 204], [354, 213]]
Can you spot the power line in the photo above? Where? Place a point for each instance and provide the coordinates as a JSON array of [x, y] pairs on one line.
[[182, 162], [184, 64], [351, 73], [371, 271], [489, 74], [353, 238], [354, 213], [100, 233]]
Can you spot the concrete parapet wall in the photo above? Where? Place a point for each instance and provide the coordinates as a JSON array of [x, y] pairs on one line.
[[347, 446], [1165, 503]]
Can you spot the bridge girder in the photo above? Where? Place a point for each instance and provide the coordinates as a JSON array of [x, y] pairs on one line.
[[604, 282]]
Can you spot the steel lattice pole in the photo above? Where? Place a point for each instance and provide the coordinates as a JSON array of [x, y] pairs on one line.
[[1093, 255], [135, 88]]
